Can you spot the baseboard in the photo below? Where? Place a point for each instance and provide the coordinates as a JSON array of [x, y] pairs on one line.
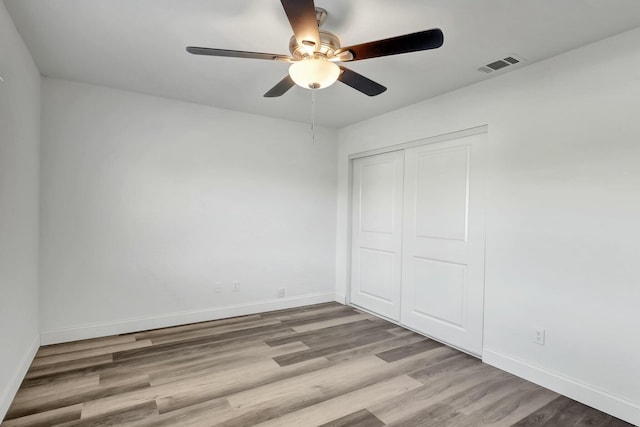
[[9, 391], [180, 318], [577, 390], [341, 298]]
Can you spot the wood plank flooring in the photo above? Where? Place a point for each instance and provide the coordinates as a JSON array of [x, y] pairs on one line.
[[322, 365]]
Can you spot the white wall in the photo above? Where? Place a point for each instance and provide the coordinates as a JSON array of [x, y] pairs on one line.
[[147, 203], [563, 223], [19, 146]]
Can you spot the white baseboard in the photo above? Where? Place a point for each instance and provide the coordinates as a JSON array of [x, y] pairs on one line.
[[180, 318], [577, 390], [341, 298], [9, 390]]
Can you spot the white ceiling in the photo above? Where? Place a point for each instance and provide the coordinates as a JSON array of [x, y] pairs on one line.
[[139, 45]]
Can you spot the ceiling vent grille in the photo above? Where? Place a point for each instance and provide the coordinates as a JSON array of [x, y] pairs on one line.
[[500, 64]]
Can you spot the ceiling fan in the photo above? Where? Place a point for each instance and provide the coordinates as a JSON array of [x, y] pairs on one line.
[[315, 52]]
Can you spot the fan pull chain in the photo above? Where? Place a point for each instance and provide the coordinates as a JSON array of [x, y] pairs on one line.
[[313, 116]]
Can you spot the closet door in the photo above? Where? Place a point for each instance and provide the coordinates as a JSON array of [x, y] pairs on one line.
[[376, 267], [443, 241]]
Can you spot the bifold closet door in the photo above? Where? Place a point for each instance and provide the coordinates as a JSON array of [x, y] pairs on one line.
[[443, 241], [376, 264]]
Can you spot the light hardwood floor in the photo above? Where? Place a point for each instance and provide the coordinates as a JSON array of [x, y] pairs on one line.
[[322, 365]]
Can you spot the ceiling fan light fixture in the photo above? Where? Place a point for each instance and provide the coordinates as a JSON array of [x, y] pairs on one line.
[[314, 73]]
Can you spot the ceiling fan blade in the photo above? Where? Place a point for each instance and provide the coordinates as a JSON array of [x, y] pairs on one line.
[[236, 53], [281, 88], [414, 42], [360, 82], [302, 17]]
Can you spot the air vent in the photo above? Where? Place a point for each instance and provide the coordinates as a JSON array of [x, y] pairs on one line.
[[501, 64], [495, 66]]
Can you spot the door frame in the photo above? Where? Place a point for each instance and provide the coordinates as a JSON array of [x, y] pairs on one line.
[[483, 129]]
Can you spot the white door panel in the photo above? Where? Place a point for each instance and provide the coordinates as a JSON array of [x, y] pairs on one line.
[[441, 291], [377, 197], [376, 260], [441, 202], [377, 274], [443, 241]]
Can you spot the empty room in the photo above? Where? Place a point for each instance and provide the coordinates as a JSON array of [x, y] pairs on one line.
[[320, 213]]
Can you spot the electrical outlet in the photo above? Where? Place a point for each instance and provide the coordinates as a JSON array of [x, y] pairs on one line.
[[281, 293], [539, 336], [236, 286]]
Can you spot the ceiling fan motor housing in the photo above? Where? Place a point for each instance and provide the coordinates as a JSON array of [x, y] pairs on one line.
[[329, 44]]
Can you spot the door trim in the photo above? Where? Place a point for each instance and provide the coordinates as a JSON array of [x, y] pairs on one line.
[[417, 143]]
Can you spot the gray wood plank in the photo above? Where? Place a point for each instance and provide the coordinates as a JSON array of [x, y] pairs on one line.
[[332, 347], [408, 350], [362, 418], [115, 418], [567, 413]]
